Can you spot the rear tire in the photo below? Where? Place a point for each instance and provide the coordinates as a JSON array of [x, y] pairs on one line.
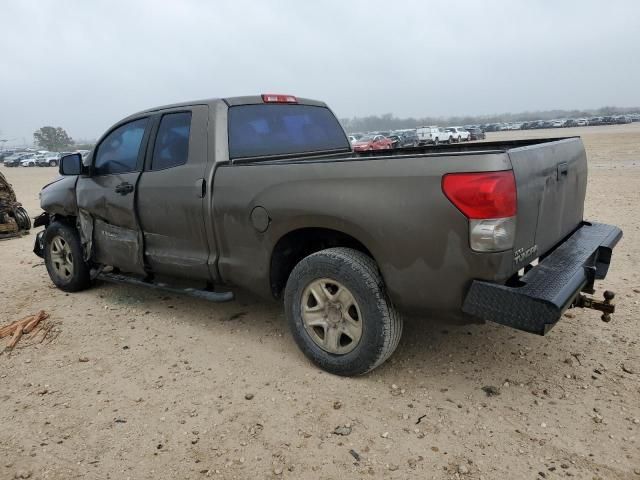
[[63, 257], [53, 163], [339, 313]]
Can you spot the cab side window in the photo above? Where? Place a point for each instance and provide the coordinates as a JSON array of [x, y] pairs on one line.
[[172, 142], [119, 151]]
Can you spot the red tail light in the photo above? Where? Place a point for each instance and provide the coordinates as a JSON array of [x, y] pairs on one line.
[[482, 195], [278, 98]]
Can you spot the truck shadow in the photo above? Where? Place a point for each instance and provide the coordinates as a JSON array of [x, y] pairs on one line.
[[428, 347]]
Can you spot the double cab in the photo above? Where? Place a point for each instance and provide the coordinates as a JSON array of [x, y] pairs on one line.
[[265, 193]]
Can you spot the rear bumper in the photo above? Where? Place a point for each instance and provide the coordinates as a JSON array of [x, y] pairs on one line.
[[548, 289]]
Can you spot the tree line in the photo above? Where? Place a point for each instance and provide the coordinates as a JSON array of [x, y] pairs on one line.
[[389, 122]]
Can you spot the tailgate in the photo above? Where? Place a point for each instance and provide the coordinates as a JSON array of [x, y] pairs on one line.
[[551, 181]]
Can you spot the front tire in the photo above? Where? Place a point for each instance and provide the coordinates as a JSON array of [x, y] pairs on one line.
[[339, 313], [64, 258]]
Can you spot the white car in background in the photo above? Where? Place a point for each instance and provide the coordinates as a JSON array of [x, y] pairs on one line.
[[582, 122], [50, 159], [458, 134], [433, 135], [29, 161]]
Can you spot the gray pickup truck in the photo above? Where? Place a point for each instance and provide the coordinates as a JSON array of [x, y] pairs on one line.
[[264, 193]]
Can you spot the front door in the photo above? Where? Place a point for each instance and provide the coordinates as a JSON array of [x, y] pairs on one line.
[[106, 198], [172, 192]]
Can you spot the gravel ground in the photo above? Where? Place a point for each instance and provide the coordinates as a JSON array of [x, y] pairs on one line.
[[136, 384]]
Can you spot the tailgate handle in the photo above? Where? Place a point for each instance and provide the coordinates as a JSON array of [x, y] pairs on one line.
[[563, 170]]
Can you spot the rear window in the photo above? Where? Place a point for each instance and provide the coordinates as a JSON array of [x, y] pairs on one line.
[[279, 129]]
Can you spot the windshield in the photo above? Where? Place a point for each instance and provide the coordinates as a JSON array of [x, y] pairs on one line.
[[281, 129], [365, 138]]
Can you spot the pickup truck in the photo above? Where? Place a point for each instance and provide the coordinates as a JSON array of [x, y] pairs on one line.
[[264, 193], [433, 135]]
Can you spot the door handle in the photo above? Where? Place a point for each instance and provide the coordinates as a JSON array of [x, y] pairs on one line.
[[201, 187], [563, 170], [124, 188]]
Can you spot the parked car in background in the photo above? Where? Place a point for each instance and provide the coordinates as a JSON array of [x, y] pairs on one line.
[[14, 160], [51, 159], [404, 139], [476, 134], [582, 122], [372, 142], [6, 153], [29, 161], [433, 135], [621, 119], [458, 134], [596, 121], [427, 135]]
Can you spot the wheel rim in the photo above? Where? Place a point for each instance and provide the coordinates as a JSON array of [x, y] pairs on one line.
[[331, 316], [61, 257]]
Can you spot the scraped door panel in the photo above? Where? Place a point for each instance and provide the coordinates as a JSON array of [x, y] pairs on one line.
[[172, 192], [107, 197]]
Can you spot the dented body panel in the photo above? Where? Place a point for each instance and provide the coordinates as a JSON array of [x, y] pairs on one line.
[[59, 197]]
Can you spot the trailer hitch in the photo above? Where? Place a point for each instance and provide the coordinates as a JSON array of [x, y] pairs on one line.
[[605, 306]]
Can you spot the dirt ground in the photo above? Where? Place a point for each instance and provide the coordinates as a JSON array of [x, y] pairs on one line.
[[136, 384]]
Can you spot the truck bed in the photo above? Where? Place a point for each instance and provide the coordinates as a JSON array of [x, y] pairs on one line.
[[468, 148], [392, 202]]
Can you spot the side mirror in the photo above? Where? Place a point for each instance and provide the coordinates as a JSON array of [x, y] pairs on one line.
[[71, 164]]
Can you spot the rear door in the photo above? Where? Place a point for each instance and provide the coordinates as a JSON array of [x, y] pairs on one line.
[[106, 199], [551, 179], [172, 192]]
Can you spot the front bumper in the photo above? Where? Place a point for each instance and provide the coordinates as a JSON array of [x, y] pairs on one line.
[[548, 289], [38, 245]]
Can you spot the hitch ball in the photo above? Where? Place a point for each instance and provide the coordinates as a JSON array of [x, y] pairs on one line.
[[606, 307], [608, 296]]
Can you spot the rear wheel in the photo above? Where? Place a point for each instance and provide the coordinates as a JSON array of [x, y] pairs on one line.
[[64, 259], [53, 163], [339, 313]]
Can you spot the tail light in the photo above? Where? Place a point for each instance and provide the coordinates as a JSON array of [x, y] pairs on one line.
[[488, 200], [278, 98]]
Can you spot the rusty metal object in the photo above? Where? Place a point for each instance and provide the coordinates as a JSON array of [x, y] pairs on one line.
[[14, 219], [605, 306]]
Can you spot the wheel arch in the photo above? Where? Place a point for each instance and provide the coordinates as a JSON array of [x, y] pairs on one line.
[[301, 242]]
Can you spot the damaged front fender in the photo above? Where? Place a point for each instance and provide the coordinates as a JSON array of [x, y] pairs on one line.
[[59, 197]]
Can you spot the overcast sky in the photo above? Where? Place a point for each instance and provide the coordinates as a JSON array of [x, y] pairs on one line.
[[83, 65]]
